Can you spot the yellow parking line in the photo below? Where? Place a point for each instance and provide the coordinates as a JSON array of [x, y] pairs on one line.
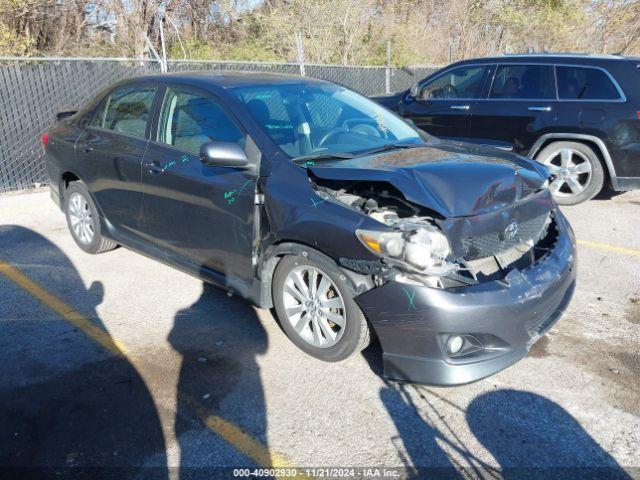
[[234, 435], [239, 438], [65, 311], [610, 248]]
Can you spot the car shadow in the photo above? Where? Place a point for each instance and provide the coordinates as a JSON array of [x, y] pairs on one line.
[[531, 436], [607, 194], [528, 435], [69, 407], [219, 339]]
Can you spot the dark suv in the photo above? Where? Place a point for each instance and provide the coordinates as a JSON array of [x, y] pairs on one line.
[[577, 114], [304, 196]]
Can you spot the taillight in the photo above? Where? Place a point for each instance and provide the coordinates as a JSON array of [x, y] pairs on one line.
[[638, 113], [45, 139]]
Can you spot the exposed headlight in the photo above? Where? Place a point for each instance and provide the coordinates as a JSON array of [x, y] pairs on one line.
[[425, 248], [383, 244]]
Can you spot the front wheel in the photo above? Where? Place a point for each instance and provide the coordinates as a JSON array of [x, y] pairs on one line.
[[315, 306]]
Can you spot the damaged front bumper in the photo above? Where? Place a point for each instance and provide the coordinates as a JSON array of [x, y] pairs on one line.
[[499, 320]]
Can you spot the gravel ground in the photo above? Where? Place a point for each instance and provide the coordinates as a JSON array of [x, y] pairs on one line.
[[196, 365]]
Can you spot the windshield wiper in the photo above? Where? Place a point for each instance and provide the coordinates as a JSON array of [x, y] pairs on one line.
[[347, 155], [390, 146], [324, 156]]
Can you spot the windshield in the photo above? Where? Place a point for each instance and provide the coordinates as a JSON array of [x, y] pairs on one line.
[[323, 120]]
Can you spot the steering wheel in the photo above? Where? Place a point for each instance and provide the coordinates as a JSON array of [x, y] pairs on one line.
[[366, 129], [450, 91], [330, 135]]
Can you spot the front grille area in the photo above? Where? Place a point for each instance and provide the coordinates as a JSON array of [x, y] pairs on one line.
[[495, 243]]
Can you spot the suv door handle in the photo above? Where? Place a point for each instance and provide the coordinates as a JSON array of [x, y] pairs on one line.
[[153, 168], [459, 107], [87, 148], [540, 109]]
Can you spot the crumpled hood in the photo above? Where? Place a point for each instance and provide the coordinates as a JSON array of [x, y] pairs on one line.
[[453, 179]]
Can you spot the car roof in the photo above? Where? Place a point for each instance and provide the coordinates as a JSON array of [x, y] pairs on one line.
[[552, 58], [227, 79], [577, 58]]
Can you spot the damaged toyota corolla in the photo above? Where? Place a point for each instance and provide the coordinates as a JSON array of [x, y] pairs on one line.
[[304, 196]]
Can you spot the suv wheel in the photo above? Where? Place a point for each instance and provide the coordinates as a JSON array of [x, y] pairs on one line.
[[316, 309], [83, 220], [578, 173]]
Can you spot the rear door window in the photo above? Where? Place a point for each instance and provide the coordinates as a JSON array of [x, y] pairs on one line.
[[190, 119], [584, 83], [126, 110], [532, 82]]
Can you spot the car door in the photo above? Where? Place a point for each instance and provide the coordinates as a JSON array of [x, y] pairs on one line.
[[110, 153], [195, 212], [443, 105], [518, 106]]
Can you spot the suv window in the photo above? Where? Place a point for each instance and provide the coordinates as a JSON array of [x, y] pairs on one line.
[[190, 119], [125, 110], [459, 83], [534, 82], [584, 83]]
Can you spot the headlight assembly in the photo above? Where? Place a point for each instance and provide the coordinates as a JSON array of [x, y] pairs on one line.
[[423, 248]]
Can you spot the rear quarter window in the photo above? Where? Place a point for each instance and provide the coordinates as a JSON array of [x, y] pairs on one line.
[[585, 83]]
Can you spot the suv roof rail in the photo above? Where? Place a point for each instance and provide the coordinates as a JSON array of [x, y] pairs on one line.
[[550, 52]]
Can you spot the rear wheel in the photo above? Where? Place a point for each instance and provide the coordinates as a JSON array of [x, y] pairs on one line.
[[315, 306], [84, 221], [577, 169]]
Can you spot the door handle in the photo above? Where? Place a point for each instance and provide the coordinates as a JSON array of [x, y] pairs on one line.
[[87, 148], [459, 107], [153, 168], [539, 109]]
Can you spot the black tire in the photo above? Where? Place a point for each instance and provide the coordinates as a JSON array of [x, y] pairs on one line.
[[593, 182], [356, 335], [98, 243]]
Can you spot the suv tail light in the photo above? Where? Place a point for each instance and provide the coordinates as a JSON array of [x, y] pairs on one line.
[[45, 139]]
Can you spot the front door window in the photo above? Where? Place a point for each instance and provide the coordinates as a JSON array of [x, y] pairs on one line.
[[457, 84], [189, 119]]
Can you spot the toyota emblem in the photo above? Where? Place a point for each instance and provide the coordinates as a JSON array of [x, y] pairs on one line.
[[511, 231]]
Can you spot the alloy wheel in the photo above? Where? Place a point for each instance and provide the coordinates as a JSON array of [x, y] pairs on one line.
[[314, 306], [81, 219], [572, 171]]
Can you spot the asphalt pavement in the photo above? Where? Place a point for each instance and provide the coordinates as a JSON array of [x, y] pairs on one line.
[[116, 366]]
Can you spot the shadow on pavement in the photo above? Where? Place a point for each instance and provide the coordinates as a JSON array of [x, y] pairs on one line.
[[607, 194], [533, 437], [219, 339], [68, 407], [528, 435]]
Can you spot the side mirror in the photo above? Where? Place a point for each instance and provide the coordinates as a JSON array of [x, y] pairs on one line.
[[414, 91], [223, 154], [65, 114]]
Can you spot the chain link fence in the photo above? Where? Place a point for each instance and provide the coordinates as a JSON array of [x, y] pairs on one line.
[[33, 90]]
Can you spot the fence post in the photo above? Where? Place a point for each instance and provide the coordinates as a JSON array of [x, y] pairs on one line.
[[300, 53], [387, 76], [155, 54], [164, 49]]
